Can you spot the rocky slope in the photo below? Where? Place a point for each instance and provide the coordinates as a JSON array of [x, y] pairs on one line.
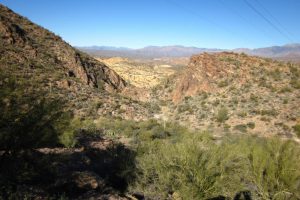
[[33, 55], [36, 43], [230, 92], [206, 72]]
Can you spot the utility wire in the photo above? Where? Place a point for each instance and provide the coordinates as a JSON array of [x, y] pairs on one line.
[[244, 18], [274, 18], [267, 20]]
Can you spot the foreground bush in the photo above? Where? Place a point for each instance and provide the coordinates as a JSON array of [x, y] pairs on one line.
[[198, 168], [29, 119]]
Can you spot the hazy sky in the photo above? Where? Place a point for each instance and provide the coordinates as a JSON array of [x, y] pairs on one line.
[[139, 23]]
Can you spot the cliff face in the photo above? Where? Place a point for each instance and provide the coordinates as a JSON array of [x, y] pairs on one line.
[[26, 44]]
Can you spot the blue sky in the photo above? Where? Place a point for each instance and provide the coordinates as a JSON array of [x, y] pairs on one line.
[[139, 23]]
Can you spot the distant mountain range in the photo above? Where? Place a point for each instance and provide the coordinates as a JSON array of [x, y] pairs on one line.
[[146, 52], [289, 52]]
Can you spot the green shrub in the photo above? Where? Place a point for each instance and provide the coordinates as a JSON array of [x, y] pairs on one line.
[[295, 83], [297, 129], [269, 112], [223, 83], [197, 168], [68, 136], [276, 74], [294, 71], [285, 89], [222, 115], [30, 119], [142, 131], [251, 125], [242, 114], [253, 97], [184, 108], [216, 102], [241, 127]]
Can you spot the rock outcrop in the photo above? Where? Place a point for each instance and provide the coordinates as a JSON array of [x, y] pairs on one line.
[[206, 72]]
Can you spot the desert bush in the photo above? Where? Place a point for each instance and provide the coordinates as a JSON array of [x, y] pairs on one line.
[[30, 119], [184, 108], [285, 89], [242, 113], [223, 83], [216, 102], [269, 112], [253, 98], [76, 126], [222, 115], [294, 71], [241, 127], [251, 125], [297, 129], [295, 83], [141, 131], [197, 168], [276, 74]]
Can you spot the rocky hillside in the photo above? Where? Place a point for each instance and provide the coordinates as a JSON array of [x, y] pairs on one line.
[[230, 92], [209, 72], [29, 43], [34, 56]]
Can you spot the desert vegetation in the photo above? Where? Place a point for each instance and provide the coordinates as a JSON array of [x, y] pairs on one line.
[[224, 127]]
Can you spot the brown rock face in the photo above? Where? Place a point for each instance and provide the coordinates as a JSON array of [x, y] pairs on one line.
[[197, 77], [23, 42], [206, 70]]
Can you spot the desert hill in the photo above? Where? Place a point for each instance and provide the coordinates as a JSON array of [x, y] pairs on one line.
[[36, 44], [35, 57], [246, 89]]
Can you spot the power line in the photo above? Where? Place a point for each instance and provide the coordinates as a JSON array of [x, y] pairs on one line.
[[274, 18], [243, 18], [267, 20]]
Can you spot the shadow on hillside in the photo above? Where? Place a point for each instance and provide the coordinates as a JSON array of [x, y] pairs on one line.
[[96, 165]]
